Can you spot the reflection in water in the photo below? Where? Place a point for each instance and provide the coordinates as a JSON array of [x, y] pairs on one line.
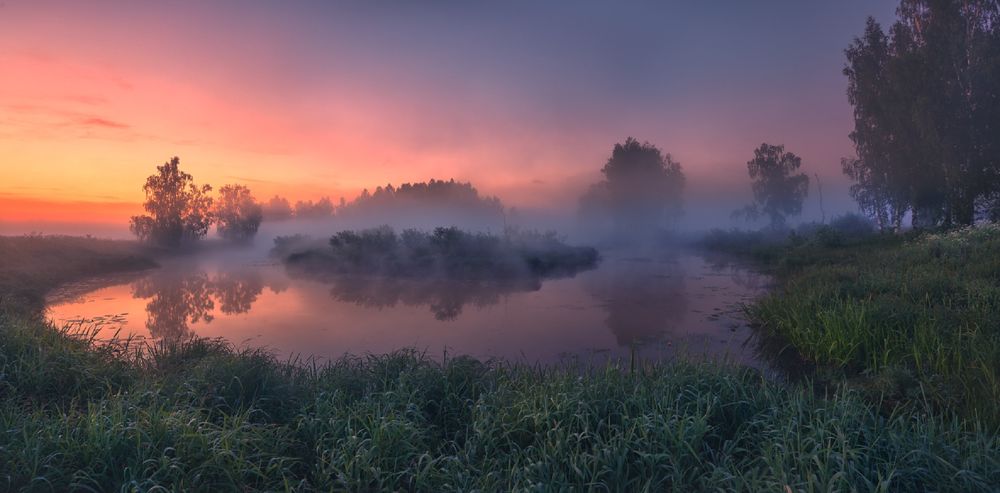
[[177, 299], [647, 303], [644, 298], [444, 297], [745, 278], [237, 291]]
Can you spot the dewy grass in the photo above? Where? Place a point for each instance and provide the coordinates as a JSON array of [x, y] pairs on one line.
[[201, 415], [915, 320]]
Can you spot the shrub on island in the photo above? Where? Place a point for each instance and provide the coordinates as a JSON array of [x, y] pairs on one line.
[[443, 253]]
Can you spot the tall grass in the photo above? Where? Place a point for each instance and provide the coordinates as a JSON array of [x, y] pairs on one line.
[[201, 415], [915, 319]]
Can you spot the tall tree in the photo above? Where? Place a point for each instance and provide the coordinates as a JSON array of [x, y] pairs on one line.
[[778, 190], [882, 188], [926, 111], [177, 209], [237, 213], [642, 188]]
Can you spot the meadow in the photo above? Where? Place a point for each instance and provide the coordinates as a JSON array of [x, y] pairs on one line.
[[201, 415]]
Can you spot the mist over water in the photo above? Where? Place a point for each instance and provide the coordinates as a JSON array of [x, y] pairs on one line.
[[656, 302], [469, 290]]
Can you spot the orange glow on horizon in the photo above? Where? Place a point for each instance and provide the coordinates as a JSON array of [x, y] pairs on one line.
[[21, 209], [328, 102]]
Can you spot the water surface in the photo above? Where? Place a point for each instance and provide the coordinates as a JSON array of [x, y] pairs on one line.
[[658, 304]]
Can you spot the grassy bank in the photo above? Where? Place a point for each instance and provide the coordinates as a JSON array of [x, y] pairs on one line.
[[200, 416], [32, 265], [203, 416], [909, 318]]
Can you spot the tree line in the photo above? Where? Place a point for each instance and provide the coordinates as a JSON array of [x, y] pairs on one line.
[[179, 211], [445, 194]]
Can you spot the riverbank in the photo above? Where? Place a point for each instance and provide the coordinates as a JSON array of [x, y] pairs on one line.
[[202, 415], [33, 265], [905, 318]]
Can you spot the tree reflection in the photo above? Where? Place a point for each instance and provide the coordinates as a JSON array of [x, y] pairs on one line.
[[644, 297], [237, 291], [177, 300], [174, 301], [446, 298], [737, 272]]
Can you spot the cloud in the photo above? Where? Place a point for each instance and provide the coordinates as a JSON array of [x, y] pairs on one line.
[[101, 122], [253, 180]]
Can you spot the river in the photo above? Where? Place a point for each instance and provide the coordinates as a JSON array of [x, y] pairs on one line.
[[657, 304]]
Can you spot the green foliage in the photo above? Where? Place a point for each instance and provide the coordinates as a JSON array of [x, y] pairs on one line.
[[926, 113], [201, 416], [927, 309]]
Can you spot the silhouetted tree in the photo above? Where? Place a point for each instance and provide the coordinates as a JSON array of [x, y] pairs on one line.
[[778, 191], [277, 209], [642, 188], [237, 214], [321, 208], [926, 113], [178, 210]]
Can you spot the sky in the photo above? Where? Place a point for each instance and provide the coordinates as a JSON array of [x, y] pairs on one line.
[[310, 99]]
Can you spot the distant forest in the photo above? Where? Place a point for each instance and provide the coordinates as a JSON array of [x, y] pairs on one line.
[[390, 200]]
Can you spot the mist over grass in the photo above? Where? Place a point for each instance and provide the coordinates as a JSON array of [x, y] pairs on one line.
[[31, 265], [447, 253]]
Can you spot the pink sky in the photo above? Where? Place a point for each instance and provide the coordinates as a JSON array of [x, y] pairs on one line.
[[308, 99]]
